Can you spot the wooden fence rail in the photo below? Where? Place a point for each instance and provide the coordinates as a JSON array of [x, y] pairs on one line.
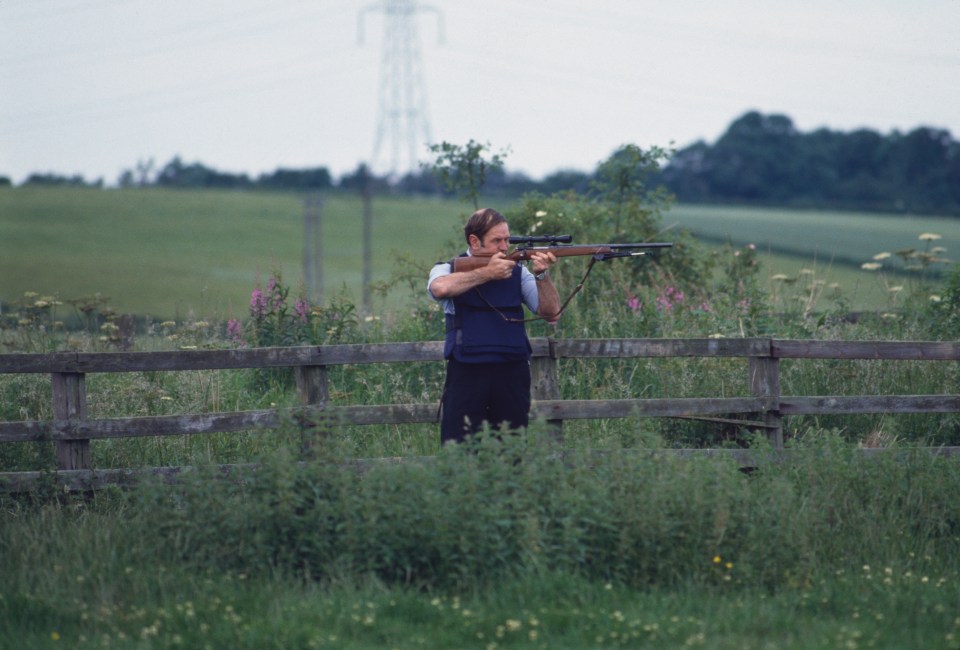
[[765, 408]]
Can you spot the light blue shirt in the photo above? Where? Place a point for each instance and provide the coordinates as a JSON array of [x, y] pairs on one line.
[[528, 286]]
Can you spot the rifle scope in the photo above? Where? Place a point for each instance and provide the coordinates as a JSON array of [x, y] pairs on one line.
[[542, 239]]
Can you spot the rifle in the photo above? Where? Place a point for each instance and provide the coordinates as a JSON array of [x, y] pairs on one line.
[[558, 245]]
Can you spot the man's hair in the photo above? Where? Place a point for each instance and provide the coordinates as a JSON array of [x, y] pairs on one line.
[[481, 221]]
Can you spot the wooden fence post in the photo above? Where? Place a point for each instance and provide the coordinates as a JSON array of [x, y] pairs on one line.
[[765, 382], [70, 403], [312, 390], [545, 384]]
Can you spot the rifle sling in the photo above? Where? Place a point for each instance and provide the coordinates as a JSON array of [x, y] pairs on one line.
[[563, 307]]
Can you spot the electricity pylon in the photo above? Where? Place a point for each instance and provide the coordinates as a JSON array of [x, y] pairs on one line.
[[402, 118]]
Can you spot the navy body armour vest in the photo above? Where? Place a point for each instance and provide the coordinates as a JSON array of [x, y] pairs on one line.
[[478, 331]]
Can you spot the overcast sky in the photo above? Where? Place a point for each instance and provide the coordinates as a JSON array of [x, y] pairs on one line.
[[92, 87]]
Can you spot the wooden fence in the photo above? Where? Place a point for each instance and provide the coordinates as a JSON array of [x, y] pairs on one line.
[[764, 408]]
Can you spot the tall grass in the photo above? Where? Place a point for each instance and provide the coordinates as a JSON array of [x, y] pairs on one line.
[[508, 542]]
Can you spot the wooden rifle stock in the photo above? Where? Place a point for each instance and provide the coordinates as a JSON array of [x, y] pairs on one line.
[[524, 253]]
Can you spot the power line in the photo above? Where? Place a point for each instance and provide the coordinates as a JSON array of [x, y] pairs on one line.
[[402, 119]]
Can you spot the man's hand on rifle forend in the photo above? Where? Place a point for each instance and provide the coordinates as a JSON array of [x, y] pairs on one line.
[[542, 261], [499, 267]]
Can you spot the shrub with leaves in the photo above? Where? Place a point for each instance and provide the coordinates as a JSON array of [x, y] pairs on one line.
[[501, 506]]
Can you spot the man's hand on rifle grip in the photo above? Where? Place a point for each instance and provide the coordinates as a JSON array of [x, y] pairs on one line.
[[499, 267]]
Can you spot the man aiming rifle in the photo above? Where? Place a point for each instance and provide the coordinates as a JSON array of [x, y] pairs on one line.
[[483, 293], [486, 346]]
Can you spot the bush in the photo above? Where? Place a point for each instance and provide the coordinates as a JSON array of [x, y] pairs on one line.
[[499, 506]]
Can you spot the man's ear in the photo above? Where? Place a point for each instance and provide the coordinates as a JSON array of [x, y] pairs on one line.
[[475, 242]]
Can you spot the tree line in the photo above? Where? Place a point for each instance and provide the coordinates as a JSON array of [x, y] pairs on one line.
[[764, 159], [759, 160]]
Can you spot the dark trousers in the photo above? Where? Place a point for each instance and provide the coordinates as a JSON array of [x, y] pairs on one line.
[[478, 392]]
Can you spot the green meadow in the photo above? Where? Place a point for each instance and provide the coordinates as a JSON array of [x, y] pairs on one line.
[[177, 254], [828, 246], [174, 254]]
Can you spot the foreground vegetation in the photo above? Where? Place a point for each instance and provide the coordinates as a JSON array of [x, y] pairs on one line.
[[505, 545], [604, 539]]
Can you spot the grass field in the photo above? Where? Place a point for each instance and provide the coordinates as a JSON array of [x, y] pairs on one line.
[[173, 253], [829, 238], [169, 254], [831, 246]]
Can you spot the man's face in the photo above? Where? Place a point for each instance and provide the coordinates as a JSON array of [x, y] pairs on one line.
[[496, 240]]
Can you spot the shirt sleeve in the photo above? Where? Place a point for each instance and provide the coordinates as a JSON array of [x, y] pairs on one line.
[[438, 271], [528, 285]]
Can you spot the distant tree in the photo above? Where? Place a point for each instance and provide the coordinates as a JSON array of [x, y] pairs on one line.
[[177, 174], [565, 180], [687, 174], [422, 183], [356, 180], [5, 181], [755, 158], [317, 178], [624, 182], [52, 180], [464, 168], [858, 159], [920, 161], [764, 159], [142, 174], [500, 182]]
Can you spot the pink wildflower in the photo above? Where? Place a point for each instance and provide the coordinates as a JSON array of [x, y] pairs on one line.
[[635, 304], [302, 308], [235, 330], [276, 293], [258, 303], [669, 298]]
